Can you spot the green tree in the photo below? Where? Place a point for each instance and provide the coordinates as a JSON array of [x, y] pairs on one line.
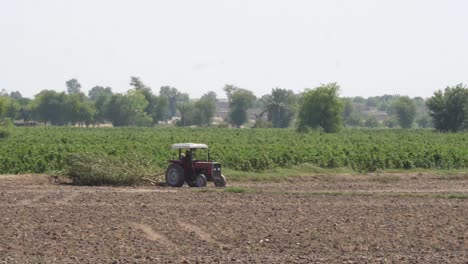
[[3, 106], [172, 94], [49, 106], [205, 109], [16, 95], [128, 109], [359, 100], [13, 104], [99, 91], [186, 111], [149, 96], [321, 107], [355, 119], [405, 111], [280, 106], [424, 121], [350, 115], [138, 84], [101, 97], [73, 104], [86, 113], [240, 100], [449, 109], [372, 102], [212, 96], [391, 122], [13, 109], [79, 110], [371, 122], [136, 104], [161, 109], [347, 107], [73, 86], [115, 112], [261, 123], [25, 112]]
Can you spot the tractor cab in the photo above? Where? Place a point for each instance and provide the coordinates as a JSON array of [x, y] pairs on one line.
[[192, 168]]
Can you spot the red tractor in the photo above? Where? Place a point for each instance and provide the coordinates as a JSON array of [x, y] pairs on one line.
[[194, 172]]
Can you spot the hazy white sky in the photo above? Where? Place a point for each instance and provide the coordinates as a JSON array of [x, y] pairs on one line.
[[408, 47]]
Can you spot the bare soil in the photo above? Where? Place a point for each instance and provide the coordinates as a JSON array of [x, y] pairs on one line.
[[285, 222]]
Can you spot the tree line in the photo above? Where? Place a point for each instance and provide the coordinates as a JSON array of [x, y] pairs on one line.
[[318, 108], [139, 106]]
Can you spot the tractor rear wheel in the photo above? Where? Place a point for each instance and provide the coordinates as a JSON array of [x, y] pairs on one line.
[[175, 176], [200, 180], [221, 182]]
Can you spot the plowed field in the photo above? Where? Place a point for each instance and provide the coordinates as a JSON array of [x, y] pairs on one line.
[[346, 219]]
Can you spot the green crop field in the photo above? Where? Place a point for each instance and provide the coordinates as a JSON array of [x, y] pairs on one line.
[[37, 150]]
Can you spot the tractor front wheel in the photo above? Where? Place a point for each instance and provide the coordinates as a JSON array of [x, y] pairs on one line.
[[175, 176], [200, 180], [221, 182]]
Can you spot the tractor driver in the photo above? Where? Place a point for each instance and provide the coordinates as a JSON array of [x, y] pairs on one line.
[[187, 156]]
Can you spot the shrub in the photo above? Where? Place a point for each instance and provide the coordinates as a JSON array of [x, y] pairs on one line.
[[261, 123], [4, 132], [6, 128], [92, 169]]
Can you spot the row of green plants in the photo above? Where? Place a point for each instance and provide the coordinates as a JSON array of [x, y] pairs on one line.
[[39, 149]]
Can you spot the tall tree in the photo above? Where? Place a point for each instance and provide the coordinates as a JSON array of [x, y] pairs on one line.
[[240, 100], [449, 109], [371, 122], [348, 108], [13, 109], [72, 107], [100, 96], [101, 107], [149, 96], [25, 112], [405, 111], [137, 83], [86, 113], [205, 109], [172, 94], [321, 107], [354, 119], [161, 109], [16, 95], [424, 121], [115, 112], [212, 96], [280, 107], [73, 86], [99, 91], [50, 106], [79, 110], [128, 109], [186, 111], [3, 106], [229, 89]]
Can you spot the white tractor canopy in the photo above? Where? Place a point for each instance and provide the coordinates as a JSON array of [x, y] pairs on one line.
[[189, 146]]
